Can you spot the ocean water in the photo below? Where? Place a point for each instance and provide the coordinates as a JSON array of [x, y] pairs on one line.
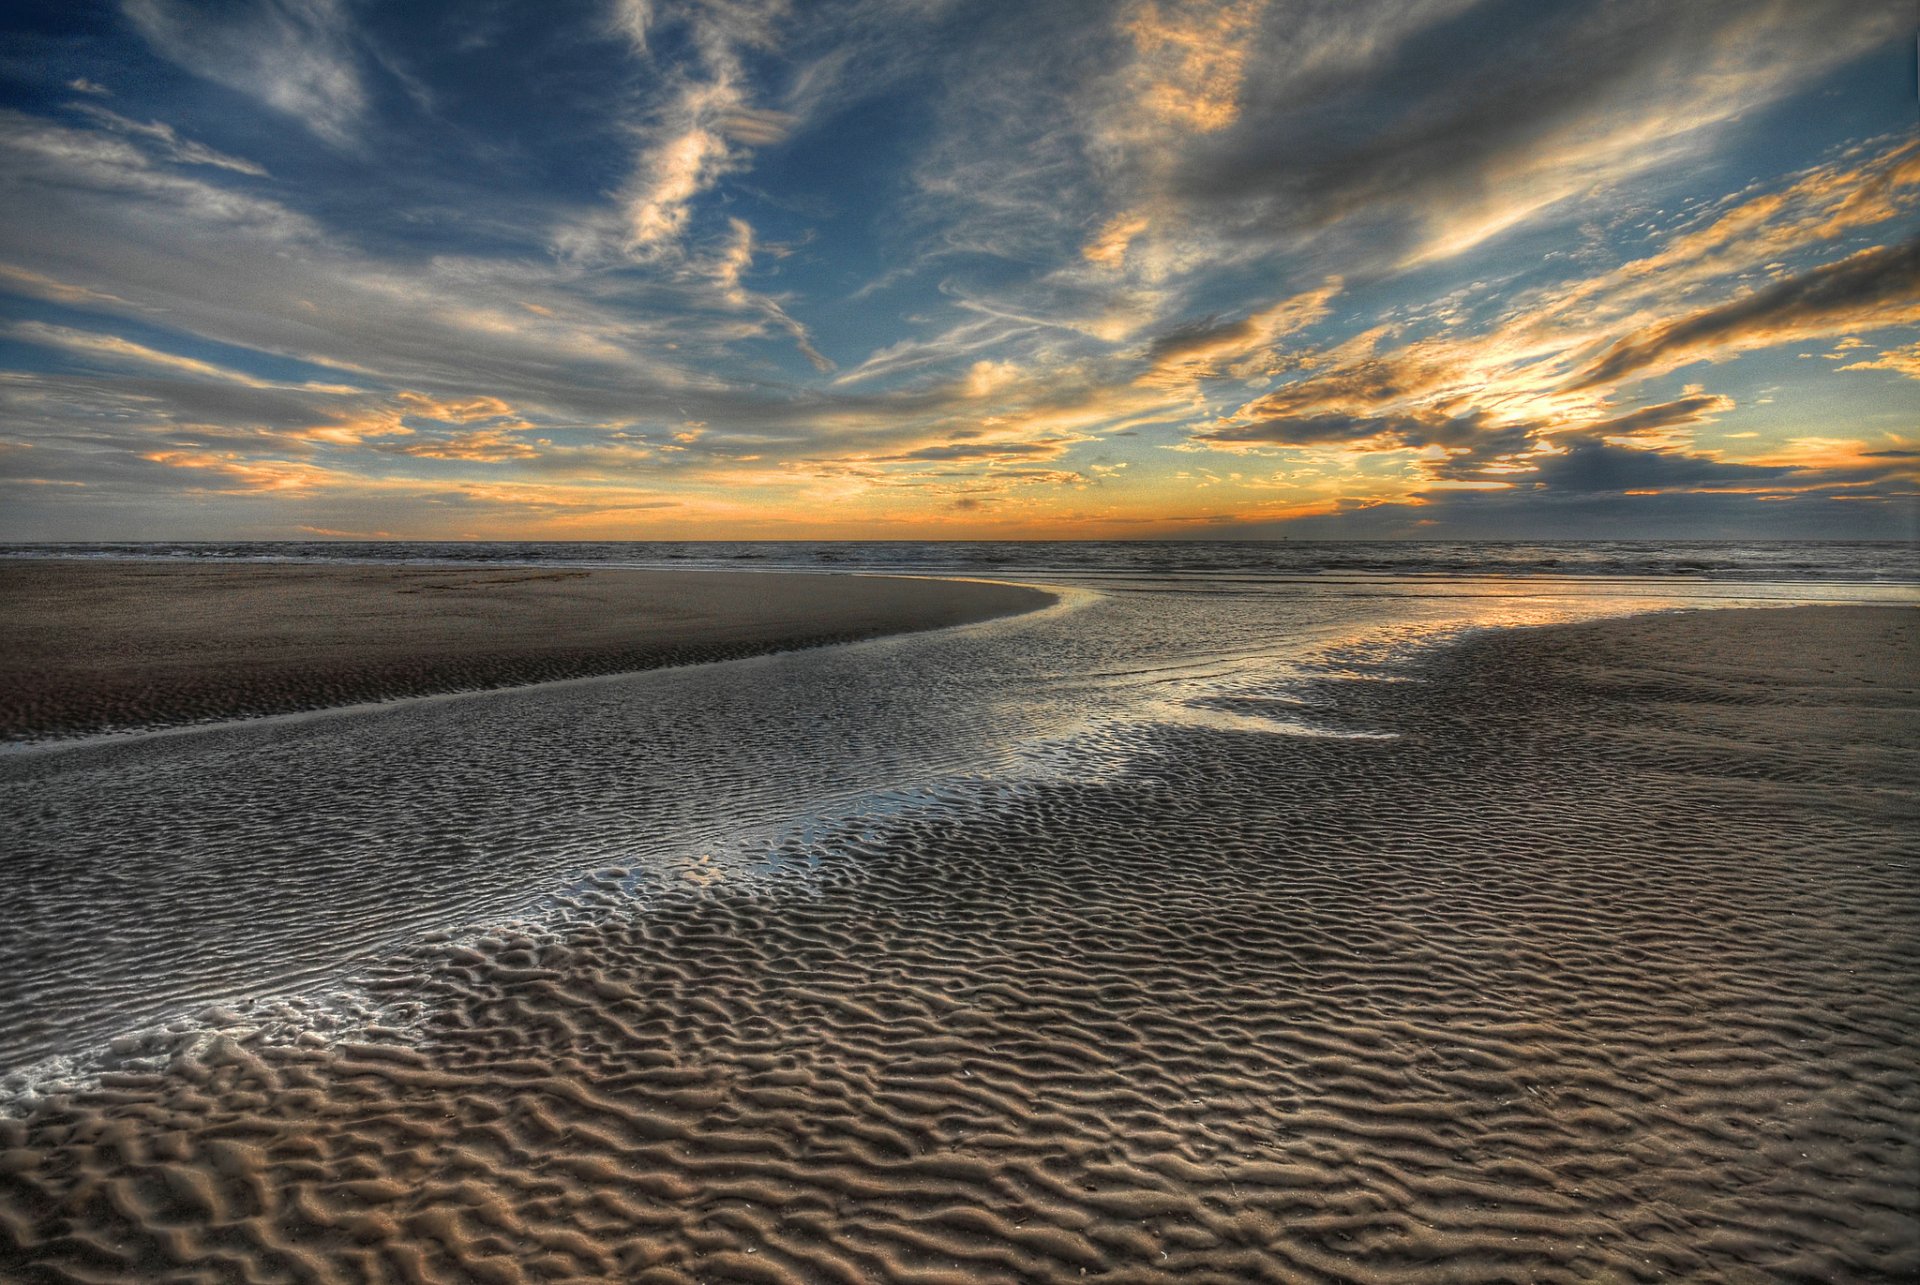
[[262, 872], [1189, 561]]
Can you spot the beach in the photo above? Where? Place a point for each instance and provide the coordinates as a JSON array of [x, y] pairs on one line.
[[113, 645], [1570, 950]]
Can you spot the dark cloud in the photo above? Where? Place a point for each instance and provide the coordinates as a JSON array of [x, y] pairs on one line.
[[1584, 463], [1488, 92], [1204, 335], [1678, 413], [1363, 384], [1845, 294], [1591, 467]]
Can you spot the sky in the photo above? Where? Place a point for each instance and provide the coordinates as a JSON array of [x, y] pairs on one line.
[[899, 269]]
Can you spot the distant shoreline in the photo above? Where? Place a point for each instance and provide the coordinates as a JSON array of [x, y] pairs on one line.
[[89, 647]]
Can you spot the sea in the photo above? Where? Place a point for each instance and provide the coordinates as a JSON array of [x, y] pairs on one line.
[[278, 874], [1863, 561]]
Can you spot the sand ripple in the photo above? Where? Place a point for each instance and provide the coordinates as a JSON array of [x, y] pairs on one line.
[[1605, 969]]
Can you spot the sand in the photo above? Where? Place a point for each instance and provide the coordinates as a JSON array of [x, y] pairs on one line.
[[89, 647], [1605, 968]]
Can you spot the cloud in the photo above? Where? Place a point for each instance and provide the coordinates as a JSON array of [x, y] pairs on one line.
[[1192, 58], [1473, 448], [52, 164], [294, 55], [1240, 348], [728, 270], [233, 472], [631, 19], [701, 127], [978, 451], [113, 347], [1873, 288], [1108, 248], [701, 130], [1902, 361], [1654, 421], [487, 447], [984, 378], [1593, 467], [1158, 233], [957, 343], [1467, 121], [1866, 186], [461, 410], [169, 143], [670, 174], [42, 286], [1382, 432], [1678, 514], [1359, 136], [1488, 405]]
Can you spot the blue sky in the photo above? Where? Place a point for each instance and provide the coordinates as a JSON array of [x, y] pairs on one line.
[[735, 269]]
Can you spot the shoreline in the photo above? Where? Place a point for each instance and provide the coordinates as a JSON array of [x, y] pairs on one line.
[[99, 648], [1602, 969]]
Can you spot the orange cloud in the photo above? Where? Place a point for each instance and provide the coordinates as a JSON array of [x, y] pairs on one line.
[[1193, 58], [1109, 246], [230, 472], [1902, 361], [488, 447], [458, 410]]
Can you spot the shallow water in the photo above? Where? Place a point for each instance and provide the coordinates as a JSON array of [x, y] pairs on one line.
[[152, 876]]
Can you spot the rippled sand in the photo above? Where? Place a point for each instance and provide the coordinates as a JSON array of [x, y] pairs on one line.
[[89, 647], [1605, 968]]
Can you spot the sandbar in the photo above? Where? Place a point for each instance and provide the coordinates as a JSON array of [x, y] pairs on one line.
[[89, 647]]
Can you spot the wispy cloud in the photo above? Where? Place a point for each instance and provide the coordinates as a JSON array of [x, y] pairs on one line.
[[294, 55], [167, 142], [632, 19], [113, 347]]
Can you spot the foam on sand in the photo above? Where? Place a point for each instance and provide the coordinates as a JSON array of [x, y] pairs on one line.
[[1606, 967]]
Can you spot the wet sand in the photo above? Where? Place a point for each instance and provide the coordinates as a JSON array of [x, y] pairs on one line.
[[1606, 968], [99, 646]]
